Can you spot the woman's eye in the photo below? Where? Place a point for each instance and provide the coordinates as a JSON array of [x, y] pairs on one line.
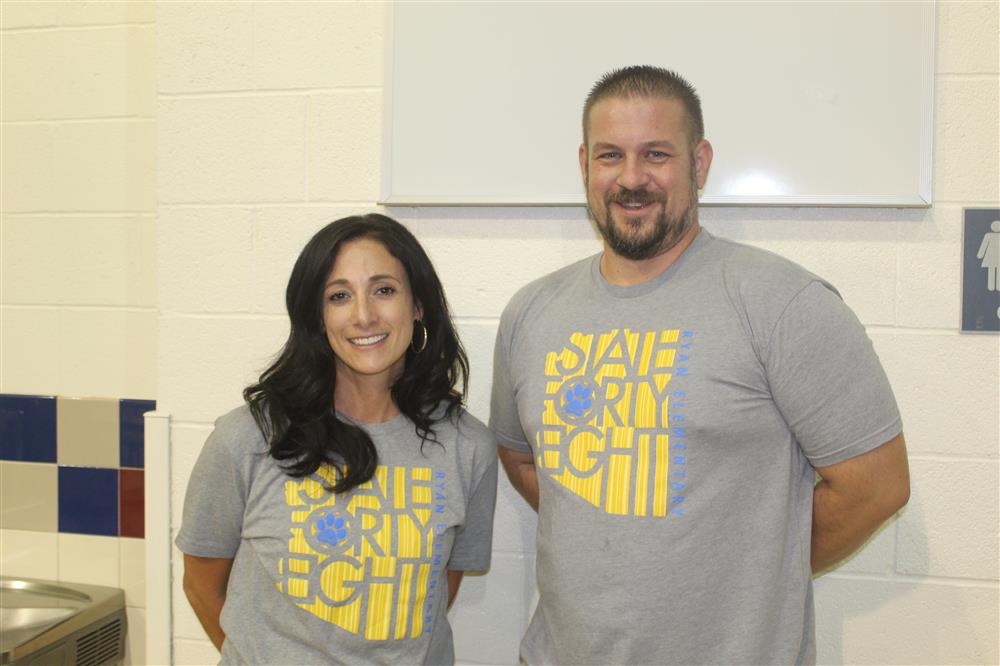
[[337, 296], [385, 291]]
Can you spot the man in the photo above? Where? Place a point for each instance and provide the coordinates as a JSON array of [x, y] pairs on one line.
[[666, 405]]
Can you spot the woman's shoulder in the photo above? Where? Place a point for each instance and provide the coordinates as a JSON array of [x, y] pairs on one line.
[[238, 431], [470, 431]]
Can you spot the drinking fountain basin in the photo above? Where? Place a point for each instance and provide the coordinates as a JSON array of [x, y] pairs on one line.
[[65, 623]]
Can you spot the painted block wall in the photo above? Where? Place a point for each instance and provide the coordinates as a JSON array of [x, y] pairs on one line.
[[269, 127], [77, 259]]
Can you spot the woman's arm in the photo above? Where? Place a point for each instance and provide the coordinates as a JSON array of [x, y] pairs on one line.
[[205, 582]]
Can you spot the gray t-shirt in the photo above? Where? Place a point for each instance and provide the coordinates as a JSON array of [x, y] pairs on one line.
[[675, 425], [350, 579]]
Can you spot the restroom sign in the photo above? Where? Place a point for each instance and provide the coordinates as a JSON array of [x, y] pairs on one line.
[[981, 270]]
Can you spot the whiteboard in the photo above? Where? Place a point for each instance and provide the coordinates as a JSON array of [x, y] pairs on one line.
[[805, 103]]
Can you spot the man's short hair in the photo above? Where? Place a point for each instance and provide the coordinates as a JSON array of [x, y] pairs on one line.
[[648, 81]]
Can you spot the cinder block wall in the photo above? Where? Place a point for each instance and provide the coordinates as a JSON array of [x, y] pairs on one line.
[[269, 127], [77, 273]]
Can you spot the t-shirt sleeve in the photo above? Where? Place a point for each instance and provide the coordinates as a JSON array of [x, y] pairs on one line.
[[504, 420], [473, 544], [827, 380], [216, 498]]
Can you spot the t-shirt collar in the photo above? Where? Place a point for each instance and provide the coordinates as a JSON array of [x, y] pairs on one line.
[[636, 290]]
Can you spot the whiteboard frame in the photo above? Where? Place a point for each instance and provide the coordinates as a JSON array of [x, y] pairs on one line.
[[922, 198]]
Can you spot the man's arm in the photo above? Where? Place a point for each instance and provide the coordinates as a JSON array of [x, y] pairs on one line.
[[205, 582], [520, 468], [854, 498], [454, 580]]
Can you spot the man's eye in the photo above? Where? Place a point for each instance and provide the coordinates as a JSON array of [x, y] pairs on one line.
[[657, 155], [610, 155]]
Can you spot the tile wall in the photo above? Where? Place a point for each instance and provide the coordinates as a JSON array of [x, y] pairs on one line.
[[72, 490]]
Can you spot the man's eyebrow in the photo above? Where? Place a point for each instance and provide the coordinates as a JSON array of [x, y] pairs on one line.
[[658, 143], [664, 143]]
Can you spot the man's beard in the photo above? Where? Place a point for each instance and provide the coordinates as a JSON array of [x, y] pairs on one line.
[[667, 231]]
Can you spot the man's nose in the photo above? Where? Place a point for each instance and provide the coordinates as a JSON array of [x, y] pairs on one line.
[[633, 175]]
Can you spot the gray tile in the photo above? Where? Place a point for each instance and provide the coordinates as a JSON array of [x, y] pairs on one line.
[[87, 432], [28, 496]]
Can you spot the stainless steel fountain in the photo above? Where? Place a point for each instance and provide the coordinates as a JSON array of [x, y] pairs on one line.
[[43, 622]]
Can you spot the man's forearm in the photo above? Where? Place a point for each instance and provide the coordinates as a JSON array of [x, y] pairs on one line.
[[854, 498], [837, 528], [454, 581], [520, 469], [527, 484]]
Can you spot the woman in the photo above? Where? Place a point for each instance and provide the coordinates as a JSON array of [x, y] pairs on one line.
[[330, 518]]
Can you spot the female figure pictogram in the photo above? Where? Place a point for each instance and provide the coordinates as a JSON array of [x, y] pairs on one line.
[[989, 252]]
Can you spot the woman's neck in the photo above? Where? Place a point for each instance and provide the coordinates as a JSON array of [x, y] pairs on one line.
[[365, 403]]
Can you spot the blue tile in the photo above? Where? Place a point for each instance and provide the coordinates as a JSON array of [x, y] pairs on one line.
[[132, 433], [27, 428], [88, 500]]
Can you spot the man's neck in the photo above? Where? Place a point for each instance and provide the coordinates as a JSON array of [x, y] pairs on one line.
[[624, 272]]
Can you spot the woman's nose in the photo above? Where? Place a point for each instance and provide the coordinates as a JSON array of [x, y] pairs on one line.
[[364, 313]]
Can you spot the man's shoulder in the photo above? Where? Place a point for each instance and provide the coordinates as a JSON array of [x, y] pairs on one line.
[[760, 285], [547, 287], [754, 272], [759, 262]]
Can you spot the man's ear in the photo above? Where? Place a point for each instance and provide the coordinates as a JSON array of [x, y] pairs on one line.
[[702, 161], [583, 163]]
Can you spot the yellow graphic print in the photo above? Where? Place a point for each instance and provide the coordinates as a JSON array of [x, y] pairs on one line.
[[367, 562], [612, 431]]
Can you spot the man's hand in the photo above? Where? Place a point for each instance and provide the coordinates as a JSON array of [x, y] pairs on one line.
[[520, 468], [854, 498]]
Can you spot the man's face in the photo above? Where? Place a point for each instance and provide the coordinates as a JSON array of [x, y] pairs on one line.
[[641, 175]]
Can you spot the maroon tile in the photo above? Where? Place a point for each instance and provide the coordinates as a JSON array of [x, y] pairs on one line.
[[131, 495]]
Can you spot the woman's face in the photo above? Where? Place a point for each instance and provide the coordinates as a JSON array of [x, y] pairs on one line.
[[368, 312]]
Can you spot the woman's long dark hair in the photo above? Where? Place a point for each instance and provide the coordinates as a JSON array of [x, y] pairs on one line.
[[292, 402]]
